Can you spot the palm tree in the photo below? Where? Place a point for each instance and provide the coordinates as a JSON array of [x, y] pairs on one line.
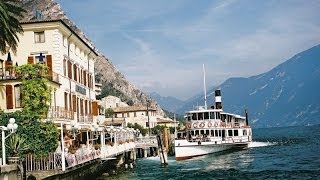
[[10, 26]]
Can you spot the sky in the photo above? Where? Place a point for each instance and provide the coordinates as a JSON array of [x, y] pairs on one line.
[[160, 46]]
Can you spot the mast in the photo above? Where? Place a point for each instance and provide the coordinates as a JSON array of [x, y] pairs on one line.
[[175, 126], [204, 87]]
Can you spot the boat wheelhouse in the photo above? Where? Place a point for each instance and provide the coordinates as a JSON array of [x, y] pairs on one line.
[[212, 130]]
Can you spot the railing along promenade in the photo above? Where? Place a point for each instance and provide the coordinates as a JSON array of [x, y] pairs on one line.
[[147, 141], [54, 162]]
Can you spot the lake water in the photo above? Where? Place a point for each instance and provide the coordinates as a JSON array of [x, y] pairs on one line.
[[276, 153]]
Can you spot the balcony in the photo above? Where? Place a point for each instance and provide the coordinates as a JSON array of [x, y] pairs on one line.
[[86, 118], [7, 75], [11, 75], [60, 113]]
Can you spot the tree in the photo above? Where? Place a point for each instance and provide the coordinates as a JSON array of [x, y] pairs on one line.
[[109, 113], [10, 25]]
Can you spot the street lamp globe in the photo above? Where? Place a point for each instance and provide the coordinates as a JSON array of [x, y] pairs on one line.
[[10, 126], [15, 126], [12, 120]]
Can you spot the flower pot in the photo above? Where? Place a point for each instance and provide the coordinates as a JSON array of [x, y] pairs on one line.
[[13, 160]]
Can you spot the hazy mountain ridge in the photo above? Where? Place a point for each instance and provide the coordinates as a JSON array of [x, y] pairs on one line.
[[168, 103], [284, 96]]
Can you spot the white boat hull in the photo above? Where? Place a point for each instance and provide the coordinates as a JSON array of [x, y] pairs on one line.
[[186, 150]]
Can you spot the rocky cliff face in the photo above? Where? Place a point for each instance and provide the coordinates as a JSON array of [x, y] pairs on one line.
[[106, 73]]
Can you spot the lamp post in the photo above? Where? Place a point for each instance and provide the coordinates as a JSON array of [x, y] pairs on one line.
[[12, 127]]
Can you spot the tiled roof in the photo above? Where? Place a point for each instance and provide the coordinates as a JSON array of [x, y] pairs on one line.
[[135, 108]]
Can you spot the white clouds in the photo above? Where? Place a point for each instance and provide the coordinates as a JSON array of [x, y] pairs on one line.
[[161, 45]]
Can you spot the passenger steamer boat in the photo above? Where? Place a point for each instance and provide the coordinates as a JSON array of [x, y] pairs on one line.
[[210, 130]]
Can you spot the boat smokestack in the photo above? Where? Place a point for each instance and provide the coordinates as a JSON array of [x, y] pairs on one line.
[[247, 120], [218, 99]]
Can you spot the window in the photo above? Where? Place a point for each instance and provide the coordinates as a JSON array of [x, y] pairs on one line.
[[64, 67], [135, 114], [128, 115], [147, 124], [235, 133], [66, 100], [39, 37], [212, 115], [17, 96], [206, 115], [194, 116], [200, 116], [230, 133]]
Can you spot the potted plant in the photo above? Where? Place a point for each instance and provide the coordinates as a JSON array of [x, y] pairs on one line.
[[16, 146]]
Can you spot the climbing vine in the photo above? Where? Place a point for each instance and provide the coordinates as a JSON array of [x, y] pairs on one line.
[[35, 89], [41, 136]]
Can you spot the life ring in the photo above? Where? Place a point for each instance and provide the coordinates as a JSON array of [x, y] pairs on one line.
[[201, 125], [188, 125], [195, 125], [216, 124], [209, 124]]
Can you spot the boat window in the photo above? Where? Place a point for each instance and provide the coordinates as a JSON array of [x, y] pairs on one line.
[[229, 118], [235, 132], [218, 115], [189, 117], [197, 132], [200, 116], [223, 117], [194, 116], [212, 115], [230, 133], [212, 132], [244, 132], [206, 115], [216, 133]]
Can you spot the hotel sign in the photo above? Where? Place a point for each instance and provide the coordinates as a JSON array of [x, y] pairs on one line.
[[80, 89]]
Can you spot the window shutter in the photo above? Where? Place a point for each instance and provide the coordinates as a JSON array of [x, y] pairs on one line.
[[49, 64], [81, 107], [85, 107], [74, 72], [74, 103], [95, 108], [30, 59], [85, 78], [9, 97], [69, 69]]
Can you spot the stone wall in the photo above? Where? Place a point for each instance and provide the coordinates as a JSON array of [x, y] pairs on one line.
[[10, 172]]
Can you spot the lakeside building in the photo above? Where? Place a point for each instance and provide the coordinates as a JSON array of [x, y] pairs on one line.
[[70, 62]]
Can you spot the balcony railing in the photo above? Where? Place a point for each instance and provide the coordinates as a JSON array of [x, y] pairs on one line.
[[86, 118], [11, 75], [60, 112]]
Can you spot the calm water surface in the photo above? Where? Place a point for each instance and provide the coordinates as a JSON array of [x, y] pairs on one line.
[[276, 153]]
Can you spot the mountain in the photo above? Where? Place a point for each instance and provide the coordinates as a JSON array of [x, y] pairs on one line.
[[168, 103], [287, 95], [113, 82]]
